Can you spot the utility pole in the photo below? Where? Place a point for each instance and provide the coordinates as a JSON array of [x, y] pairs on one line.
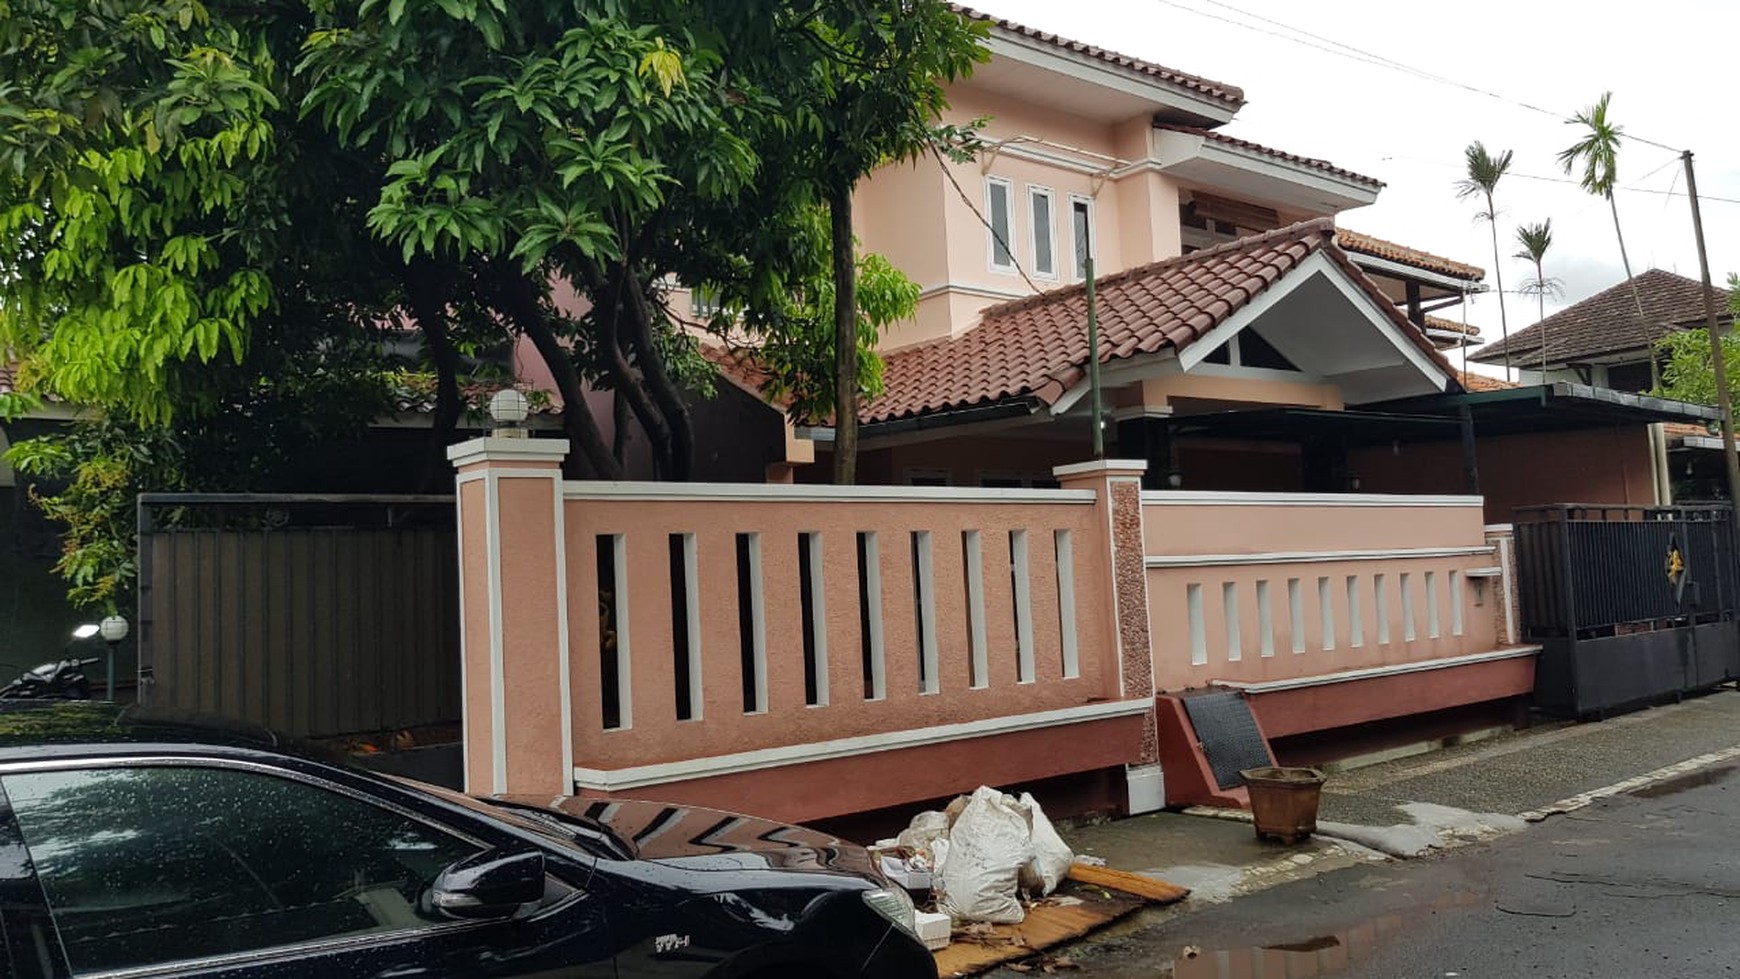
[[1094, 362], [1717, 362]]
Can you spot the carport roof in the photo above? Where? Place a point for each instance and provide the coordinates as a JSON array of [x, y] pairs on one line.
[[1508, 411]]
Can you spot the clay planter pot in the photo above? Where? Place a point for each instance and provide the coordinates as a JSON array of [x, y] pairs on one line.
[[1284, 801]]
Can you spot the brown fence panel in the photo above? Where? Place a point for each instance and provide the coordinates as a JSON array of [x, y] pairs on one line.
[[311, 615]]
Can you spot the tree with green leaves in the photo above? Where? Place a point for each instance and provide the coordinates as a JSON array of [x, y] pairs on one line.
[[1484, 172], [1535, 239], [211, 212], [1689, 374], [1597, 153]]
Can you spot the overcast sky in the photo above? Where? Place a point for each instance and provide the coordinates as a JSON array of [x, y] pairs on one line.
[[1669, 63]]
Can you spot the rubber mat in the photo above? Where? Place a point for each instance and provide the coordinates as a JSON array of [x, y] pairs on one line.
[[1228, 733]]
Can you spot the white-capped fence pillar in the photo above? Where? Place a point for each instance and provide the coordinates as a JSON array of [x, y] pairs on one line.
[[515, 690]]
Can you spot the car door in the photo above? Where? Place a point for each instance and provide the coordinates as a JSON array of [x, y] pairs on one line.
[[239, 870]]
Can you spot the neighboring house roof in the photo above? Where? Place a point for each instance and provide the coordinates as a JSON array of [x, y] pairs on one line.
[[1245, 144], [1232, 95], [1680, 430], [1450, 326], [1037, 347], [1364, 244], [1606, 322]]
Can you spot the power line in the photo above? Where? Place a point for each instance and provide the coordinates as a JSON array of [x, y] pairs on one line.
[[1340, 49]]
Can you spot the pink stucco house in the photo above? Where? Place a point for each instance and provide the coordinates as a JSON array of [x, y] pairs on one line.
[[1306, 503]]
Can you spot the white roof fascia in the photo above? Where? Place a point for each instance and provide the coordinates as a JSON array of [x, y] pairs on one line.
[[1006, 43]]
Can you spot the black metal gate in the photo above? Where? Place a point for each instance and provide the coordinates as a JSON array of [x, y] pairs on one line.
[[1629, 604], [312, 615]]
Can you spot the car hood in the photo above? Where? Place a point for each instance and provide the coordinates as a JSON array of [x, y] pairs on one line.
[[698, 838]]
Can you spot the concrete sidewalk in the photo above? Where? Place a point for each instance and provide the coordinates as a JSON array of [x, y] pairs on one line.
[[1409, 805]]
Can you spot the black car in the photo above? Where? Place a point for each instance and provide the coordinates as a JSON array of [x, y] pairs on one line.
[[134, 845]]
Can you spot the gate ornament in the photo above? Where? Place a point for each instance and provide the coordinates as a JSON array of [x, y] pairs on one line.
[[1675, 566]]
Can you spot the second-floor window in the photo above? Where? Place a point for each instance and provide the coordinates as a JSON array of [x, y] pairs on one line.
[[1000, 202], [1081, 229], [1040, 207]]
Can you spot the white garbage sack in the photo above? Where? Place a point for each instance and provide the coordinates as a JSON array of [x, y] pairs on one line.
[[989, 846], [924, 828], [1051, 856]]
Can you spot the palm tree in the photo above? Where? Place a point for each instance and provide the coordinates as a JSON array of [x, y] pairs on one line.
[[1484, 171], [1598, 154], [1535, 239]]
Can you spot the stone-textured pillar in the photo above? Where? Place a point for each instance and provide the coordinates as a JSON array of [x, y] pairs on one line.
[[1506, 601], [517, 709], [1118, 482]]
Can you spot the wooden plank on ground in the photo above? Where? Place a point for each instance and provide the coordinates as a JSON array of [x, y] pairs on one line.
[[1092, 898], [1140, 885]]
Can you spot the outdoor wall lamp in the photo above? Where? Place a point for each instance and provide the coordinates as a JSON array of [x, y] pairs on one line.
[[508, 408]]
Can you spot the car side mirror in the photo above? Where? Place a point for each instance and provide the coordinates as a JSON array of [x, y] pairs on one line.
[[489, 885]]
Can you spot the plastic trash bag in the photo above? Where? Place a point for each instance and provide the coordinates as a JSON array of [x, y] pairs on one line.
[[989, 846], [1051, 856]]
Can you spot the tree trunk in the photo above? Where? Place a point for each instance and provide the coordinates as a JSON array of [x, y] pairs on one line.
[[629, 388], [522, 307], [845, 337], [1637, 300], [428, 304], [1541, 313], [658, 380], [619, 436], [1498, 276]]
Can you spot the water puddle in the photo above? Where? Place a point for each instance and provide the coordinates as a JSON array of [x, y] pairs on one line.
[[1691, 780], [1319, 955]]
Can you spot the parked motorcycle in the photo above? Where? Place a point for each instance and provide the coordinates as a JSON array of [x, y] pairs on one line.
[[63, 680]]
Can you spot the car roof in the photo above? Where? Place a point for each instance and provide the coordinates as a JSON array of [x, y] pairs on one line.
[[27, 725]]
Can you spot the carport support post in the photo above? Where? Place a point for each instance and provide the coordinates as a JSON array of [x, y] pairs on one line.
[[1118, 484], [516, 710]]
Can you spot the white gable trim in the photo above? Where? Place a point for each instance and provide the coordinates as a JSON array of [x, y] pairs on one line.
[[1191, 357], [1316, 264]]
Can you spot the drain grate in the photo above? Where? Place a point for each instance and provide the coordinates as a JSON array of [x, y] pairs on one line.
[[1228, 733]]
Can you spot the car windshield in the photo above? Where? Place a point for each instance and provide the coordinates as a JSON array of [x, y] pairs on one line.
[[589, 834]]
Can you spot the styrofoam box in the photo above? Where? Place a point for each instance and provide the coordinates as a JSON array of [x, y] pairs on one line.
[[933, 930], [913, 880]]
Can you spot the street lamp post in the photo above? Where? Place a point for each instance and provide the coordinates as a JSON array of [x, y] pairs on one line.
[[114, 629]]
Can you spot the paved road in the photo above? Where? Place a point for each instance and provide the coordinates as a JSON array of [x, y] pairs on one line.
[[1646, 884]]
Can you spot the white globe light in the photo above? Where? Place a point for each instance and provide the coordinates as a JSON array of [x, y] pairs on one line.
[[114, 628], [508, 406]]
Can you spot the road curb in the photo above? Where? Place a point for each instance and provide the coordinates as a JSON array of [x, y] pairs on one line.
[[1578, 801]]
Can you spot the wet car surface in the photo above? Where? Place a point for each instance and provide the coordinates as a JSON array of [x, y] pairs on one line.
[[142, 845]]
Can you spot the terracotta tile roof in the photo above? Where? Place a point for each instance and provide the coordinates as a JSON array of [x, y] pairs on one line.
[[1480, 382], [1245, 144], [1451, 326], [1680, 430], [1232, 95], [738, 366], [1353, 241], [1037, 347], [1607, 321]]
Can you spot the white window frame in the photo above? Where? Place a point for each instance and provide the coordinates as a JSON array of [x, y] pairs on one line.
[[1050, 229], [1092, 235], [991, 235]]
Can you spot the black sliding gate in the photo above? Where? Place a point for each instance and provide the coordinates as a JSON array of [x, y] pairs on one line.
[[1630, 605]]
